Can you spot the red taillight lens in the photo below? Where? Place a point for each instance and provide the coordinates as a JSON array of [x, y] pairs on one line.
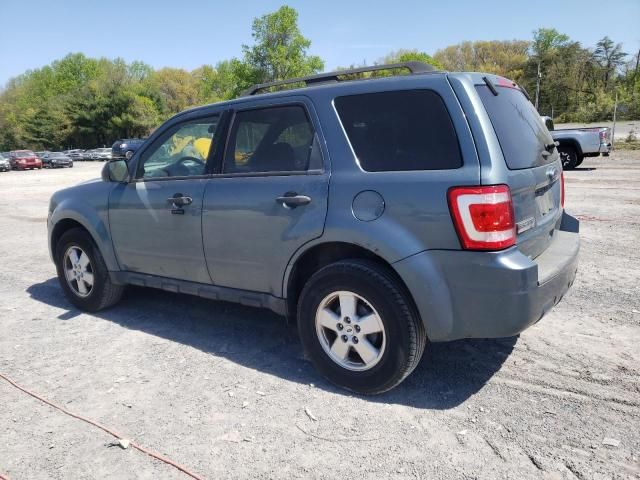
[[483, 217], [562, 189]]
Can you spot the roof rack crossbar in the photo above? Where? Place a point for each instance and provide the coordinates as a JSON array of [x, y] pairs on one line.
[[329, 77]]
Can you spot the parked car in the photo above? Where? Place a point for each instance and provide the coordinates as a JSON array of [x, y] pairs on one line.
[[574, 144], [43, 157], [24, 159], [56, 160], [5, 164], [86, 155], [75, 154], [379, 213], [101, 154], [126, 147]]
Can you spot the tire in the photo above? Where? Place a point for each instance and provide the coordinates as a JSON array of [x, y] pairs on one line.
[[102, 293], [377, 291], [569, 157], [579, 162]]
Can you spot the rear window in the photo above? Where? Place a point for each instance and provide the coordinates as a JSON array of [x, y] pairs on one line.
[[521, 132], [400, 131]]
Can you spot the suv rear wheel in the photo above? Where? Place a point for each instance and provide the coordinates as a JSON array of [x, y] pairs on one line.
[[359, 327], [83, 274]]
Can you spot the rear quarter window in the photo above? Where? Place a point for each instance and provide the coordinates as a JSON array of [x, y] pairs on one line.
[[400, 131]]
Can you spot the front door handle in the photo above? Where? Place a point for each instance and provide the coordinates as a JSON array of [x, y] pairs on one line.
[[293, 200], [180, 200]]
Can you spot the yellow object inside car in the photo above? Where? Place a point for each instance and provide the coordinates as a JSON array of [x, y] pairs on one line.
[[189, 145], [202, 146]]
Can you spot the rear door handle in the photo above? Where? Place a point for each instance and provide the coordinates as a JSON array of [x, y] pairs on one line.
[[293, 200], [180, 200]]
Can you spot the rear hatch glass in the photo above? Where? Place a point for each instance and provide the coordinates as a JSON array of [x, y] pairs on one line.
[[521, 132], [532, 159]]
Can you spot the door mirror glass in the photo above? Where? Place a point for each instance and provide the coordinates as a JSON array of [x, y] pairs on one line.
[[115, 171]]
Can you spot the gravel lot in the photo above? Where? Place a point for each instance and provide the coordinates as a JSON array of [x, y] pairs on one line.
[[223, 389]]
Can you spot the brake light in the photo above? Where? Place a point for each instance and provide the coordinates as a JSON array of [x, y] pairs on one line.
[[562, 189], [483, 217]]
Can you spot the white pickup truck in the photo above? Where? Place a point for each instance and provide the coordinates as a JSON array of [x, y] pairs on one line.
[[574, 144]]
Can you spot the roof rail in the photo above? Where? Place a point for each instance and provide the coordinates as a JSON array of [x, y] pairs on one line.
[[330, 77]]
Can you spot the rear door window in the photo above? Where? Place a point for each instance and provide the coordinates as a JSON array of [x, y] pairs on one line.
[[272, 139], [522, 134], [400, 131]]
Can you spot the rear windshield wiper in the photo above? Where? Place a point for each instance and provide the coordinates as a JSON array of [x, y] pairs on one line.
[[490, 85]]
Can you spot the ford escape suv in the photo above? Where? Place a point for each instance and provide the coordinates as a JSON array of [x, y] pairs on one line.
[[379, 212]]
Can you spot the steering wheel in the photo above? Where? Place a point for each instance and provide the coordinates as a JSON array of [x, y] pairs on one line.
[[171, 169], [194, 159]]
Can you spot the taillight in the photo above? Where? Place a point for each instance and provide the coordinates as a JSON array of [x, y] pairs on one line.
[[562, 189], [483, 217]]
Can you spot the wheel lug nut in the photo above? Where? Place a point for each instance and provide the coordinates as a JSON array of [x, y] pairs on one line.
[[354, 339], [345, 338], [340, 326], [357, 328], [347, 320]]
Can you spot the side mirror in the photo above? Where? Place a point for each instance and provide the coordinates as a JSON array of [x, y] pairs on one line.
[[115, 171]]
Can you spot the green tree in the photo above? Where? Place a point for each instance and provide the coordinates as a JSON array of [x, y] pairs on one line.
[[506, 58], [546, 42], [610, 57], [279, 50]]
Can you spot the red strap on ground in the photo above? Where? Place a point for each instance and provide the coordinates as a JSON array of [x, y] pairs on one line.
[[101, 427]]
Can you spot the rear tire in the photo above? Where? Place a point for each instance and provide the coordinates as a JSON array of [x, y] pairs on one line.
[[569, 157], [85, 281], [579, 162], [338, 306]]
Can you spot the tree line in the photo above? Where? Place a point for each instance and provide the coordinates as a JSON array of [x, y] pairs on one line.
[[83, 102]]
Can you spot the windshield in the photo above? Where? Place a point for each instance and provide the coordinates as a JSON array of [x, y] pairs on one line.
[[520, 130]]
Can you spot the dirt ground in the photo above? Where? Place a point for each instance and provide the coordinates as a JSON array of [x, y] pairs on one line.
[[225, 390]]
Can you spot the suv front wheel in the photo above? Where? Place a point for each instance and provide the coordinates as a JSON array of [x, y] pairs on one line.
[[359, 327], [82, 273]]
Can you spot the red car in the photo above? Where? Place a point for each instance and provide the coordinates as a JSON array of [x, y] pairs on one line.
[[24, 159]]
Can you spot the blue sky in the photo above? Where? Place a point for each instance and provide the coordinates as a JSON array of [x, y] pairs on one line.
[[188, 33]]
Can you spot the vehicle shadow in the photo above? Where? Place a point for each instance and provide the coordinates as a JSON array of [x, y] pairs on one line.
[[448, 374], [583, 169]]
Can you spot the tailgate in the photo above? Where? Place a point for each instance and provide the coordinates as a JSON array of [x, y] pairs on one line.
[[534, 168]]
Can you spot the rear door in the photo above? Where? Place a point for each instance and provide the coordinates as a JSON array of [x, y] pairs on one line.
[[534, 168], [269, 196]]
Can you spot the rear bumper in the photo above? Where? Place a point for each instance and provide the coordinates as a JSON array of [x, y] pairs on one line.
[[462, 294]]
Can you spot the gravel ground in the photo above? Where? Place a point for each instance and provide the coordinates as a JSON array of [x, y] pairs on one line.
[[225, 390]]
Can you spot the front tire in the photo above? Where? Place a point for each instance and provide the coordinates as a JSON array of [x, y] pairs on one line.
[[83, 274], [359, 327]]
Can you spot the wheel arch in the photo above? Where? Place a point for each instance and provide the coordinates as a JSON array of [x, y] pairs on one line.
[[319, 255], [571, 142], [63, 221]]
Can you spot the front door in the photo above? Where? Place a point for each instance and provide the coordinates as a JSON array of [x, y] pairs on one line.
[[156, 219], [269, 199]]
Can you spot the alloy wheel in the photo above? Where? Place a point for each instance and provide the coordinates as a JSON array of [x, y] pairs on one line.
[[78, 271], [350, 331]]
